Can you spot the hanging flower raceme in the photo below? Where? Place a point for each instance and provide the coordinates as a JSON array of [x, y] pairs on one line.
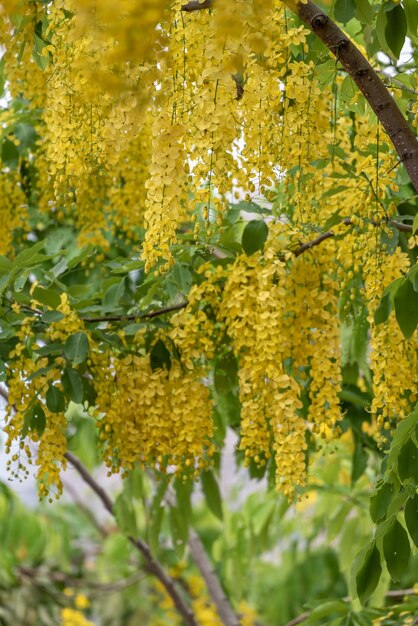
[[158, 418], [36, 402]]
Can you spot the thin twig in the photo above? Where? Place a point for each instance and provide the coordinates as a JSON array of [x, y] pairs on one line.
[[35, 574], [152, 565], [406, 228], [397, 83], [315, 242], [299, 619], [140, 316], [85, 509]]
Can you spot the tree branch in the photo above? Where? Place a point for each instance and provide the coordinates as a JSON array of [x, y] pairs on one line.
[[195, 5], [140, 316], [405, 228], [360, 70], [152, 565], [217, 594], [34, 574]]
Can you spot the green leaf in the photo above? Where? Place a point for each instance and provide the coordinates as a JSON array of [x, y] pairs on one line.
[[395, 30], [114, 293], [49, 297], [368, 575], [156, 516], [411, 518], [76, 348], [415, 224], [225, 373], [41, 60], [72, 384], [184, 490], [160, 357], [413, 276], [26, 135], [179, 530], [359, 462], [327, 609], [411, 10], [402, 433], [34, 420], [181, 277], [212, 494], [55, 400], [125, 515], [9, 154], [383, 310], [50, 317], [380, 501], [396, 550], [30, 256], [406, 308], [408, 462], [254, 236], [3, 371], [381, 23], [5, 265], [364, 11], [50, 348], [344, 10], [2, 75]]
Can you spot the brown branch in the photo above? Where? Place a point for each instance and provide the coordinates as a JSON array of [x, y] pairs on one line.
[[203, 564], [85, 509], [315, 242], [34, 574], [217, 594], [405, 228], [152, 565], [195, 5], [140, 316], [360, 70]]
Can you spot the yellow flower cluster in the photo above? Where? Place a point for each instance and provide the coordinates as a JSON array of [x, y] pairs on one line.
[[29, 379], [393, 359], [13, 209], [74, 617], [24, 387], [159, 418], [167, 190], [25, 78], [253, 306]]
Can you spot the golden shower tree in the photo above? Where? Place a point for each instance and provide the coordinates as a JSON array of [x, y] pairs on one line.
[[209, 224]]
